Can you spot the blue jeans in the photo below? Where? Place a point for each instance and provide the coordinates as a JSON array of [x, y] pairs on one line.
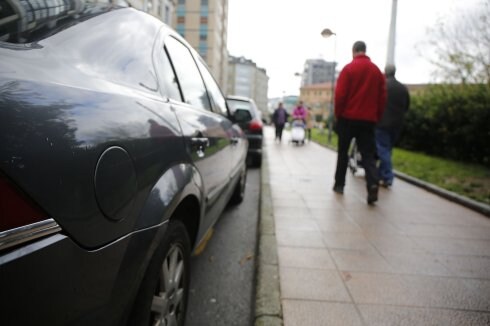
[[385, 139]]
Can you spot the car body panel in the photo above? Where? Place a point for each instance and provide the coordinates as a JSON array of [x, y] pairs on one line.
[[78, 286], [75, 132], [89, 135], [255, 137], [207, 136]]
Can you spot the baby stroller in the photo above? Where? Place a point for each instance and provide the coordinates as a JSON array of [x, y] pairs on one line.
[[298, 132], [355, 160]]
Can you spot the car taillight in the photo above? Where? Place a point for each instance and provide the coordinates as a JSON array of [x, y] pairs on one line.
[[15, 208], [255, 125]]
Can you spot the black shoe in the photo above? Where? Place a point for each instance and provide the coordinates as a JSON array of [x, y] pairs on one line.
[[338, 189], [372, 194], [385, 184]]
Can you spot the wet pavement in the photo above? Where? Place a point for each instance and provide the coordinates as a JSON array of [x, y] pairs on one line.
[[414, 258], [222, 275]]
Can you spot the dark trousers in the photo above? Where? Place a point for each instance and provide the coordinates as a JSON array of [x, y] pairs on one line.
[[279, 128], [363, 131]]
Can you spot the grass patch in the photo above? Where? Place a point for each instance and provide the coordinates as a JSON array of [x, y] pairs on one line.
[[469, 180], [321, 137], [466, 179]]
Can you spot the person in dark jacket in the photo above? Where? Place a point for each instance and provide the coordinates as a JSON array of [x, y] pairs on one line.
[[389, 127], [279, 118], [360, 97]]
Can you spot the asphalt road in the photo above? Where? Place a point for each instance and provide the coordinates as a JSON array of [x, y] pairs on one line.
[[222, 291]]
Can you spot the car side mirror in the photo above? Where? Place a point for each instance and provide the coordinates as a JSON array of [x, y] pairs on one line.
[[242, 115]]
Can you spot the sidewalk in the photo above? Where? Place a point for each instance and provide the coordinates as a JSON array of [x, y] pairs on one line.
[[327, 259]]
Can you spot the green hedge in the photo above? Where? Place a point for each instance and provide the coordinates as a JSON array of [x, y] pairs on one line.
[[451, 121]]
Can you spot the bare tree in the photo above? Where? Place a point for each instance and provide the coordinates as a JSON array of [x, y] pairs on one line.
[[462, 46]]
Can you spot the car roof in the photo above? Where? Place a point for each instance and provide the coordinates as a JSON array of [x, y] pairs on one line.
[[240, 98]]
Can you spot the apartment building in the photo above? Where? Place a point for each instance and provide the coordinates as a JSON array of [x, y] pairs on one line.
[[246, 79], [161, 9], [317, 71], [204, 24], [319, 98]]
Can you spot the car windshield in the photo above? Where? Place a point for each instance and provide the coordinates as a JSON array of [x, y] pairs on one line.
[[238, 104]]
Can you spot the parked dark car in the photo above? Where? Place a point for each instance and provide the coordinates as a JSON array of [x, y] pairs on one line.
[[251, 124], [117, 156]]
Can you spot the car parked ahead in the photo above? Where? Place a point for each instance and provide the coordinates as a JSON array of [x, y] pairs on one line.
[[117, 156], [251, 124]]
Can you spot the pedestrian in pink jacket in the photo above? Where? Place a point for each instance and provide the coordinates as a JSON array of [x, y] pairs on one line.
[[299, 112]]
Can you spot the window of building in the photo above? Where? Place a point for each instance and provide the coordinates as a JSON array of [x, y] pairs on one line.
[[203, 37], [203, 48], [181, 20], [204, 20], [204, 11], [181, 2], [180, 29], [203, 30], [180, 10], [166, 14], [191, 83]]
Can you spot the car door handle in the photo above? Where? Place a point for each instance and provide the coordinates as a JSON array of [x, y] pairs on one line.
[[200, 144]]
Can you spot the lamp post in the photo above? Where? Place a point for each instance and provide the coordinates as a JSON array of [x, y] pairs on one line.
[[297, 74], [390, 57], [300, 76], [326, 33]]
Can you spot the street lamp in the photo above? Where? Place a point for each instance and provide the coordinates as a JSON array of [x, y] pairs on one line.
[[297, 74], [326, 33], [300, 76], [390, 57]]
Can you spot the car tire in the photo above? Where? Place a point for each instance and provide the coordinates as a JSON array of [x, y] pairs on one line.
[[165, 287], [239, 192], [258, 161]]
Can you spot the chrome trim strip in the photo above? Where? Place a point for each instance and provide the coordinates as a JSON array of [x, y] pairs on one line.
[[27, 233]]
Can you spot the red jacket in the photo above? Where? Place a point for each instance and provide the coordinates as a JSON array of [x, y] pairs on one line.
[[360, 93]]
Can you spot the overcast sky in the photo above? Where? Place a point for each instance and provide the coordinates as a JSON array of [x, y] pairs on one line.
[[279, 35]]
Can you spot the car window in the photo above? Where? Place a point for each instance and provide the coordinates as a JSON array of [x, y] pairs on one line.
[[242, 115], [217, 98], [170, 84], [237, 104], [190, 80]]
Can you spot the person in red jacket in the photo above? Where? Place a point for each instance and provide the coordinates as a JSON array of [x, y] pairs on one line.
[[360, 97]]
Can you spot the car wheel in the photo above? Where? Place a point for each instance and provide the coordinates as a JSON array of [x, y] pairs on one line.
[[162, 299], [239, 192], [258, 161]]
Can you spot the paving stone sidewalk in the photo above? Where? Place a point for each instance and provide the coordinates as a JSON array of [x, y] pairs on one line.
[[326, 259]]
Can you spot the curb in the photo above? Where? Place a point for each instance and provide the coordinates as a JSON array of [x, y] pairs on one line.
[[465, 201], [268, 310]]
